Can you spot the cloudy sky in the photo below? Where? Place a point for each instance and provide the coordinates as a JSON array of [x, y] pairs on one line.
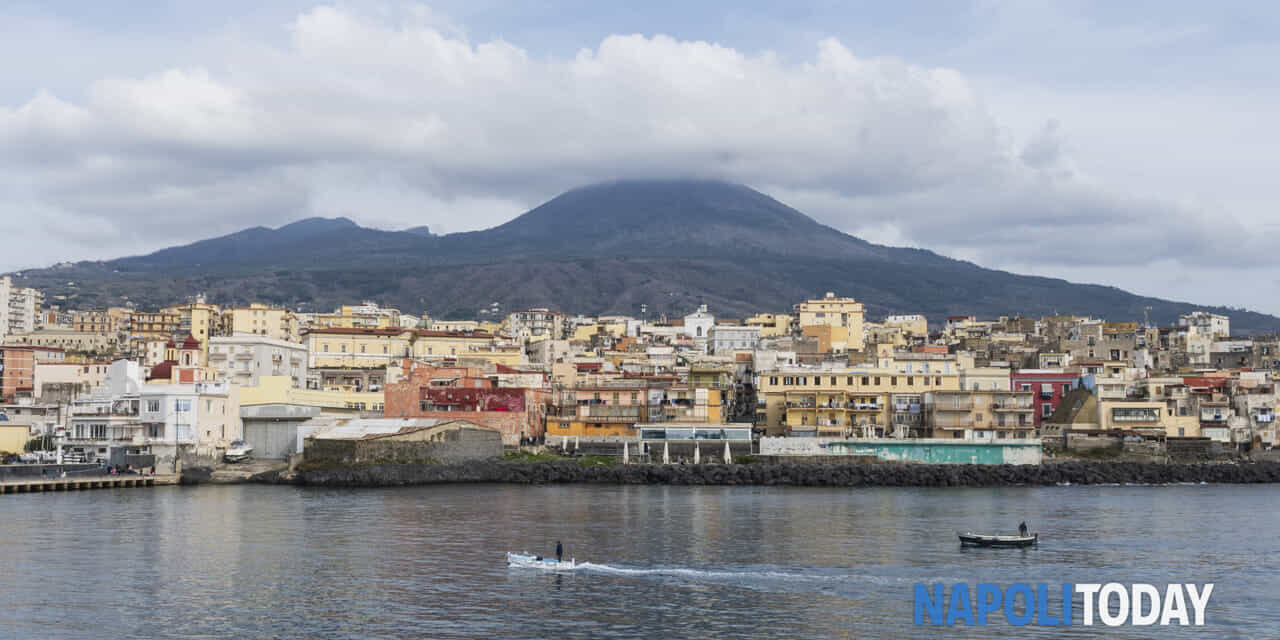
[[1120, 143]]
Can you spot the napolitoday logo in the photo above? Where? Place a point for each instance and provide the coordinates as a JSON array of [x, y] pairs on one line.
[[1113, 604]]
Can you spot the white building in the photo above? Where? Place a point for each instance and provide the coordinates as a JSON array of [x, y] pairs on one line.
[[536, 323], [19, 308], [698, 324], [242, 358], [1203, 322], [192, 422], [726, 339]]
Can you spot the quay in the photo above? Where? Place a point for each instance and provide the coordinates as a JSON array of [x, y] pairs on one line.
[[94, 482]]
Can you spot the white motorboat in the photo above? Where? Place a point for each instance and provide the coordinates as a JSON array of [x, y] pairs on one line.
[[531, 561], [239, 451]]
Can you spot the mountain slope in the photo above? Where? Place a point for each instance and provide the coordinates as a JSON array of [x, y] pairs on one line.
[[605, 248]]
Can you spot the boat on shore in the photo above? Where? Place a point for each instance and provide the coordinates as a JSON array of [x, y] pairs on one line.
[[531, 561], [239, 451], [970, 539]]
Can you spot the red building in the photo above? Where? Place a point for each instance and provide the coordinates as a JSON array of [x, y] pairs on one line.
[[1049, 386], [466, 392]]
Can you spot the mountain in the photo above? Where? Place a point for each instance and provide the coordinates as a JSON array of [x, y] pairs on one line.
[[605, 248]]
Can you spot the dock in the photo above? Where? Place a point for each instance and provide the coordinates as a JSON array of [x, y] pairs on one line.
[[38, 485]]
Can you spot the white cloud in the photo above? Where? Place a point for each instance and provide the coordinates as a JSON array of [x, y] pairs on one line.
[[397, 119]]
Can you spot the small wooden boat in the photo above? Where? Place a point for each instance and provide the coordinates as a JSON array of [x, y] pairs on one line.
[[982, 540], [530, 561]]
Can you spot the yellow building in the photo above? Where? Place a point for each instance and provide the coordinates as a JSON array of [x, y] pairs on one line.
[[882, 336], [362, 316], [452, 343], [263, 320], [844, 316], [868, 402], [771, 324], [340, 347], [201, 320], [13, 437], [911, 324], [280, 390], [981, 415], [111, 322], [366, 348], [147, 325], [1146, 417], [615, 409]]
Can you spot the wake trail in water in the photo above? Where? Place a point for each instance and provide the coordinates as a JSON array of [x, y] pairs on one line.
[[824, 576]]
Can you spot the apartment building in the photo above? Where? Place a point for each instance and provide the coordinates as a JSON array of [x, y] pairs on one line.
[[19, 307], [834, 321], [263, 320], [845, 402], [981, 415], [241, 359]]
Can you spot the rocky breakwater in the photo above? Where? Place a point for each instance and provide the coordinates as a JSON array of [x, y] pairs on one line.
[[806, 475]]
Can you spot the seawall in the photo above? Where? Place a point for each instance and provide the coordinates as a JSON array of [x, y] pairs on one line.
[[788, 474]]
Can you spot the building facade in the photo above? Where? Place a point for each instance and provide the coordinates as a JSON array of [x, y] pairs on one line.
[[242, 359]]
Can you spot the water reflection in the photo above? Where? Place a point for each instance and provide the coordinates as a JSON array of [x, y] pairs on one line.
[[230, 562]]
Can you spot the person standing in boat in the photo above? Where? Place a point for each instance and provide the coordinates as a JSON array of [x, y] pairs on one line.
[[559, 551], [1022, 529]]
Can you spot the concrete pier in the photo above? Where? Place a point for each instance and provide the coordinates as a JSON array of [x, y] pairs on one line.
[[78, 484]]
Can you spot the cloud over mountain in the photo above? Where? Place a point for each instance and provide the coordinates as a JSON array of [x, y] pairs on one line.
[[399, 120]]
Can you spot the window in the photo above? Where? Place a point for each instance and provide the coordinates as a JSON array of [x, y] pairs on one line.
[[1025, 386], [817, 381], [181, 406], [155, 430], [833, 381], [153, 406], [937, 381], [865, 380], [99, 431], [911, 380], [773, 380], [325, 347], [893, 380], [878, 381], [849, 381], [1046, 409], [362, 348], [344, 348]]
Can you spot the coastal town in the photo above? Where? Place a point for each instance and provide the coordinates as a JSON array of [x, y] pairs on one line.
[[202, 384]]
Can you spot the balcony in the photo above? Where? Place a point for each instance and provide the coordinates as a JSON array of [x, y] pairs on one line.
[[952, 422], [1264, 417], [1012, 405], [866, 406], [609, 414]]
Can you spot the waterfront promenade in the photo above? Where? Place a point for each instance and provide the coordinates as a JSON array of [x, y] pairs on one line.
[[78, 483]]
